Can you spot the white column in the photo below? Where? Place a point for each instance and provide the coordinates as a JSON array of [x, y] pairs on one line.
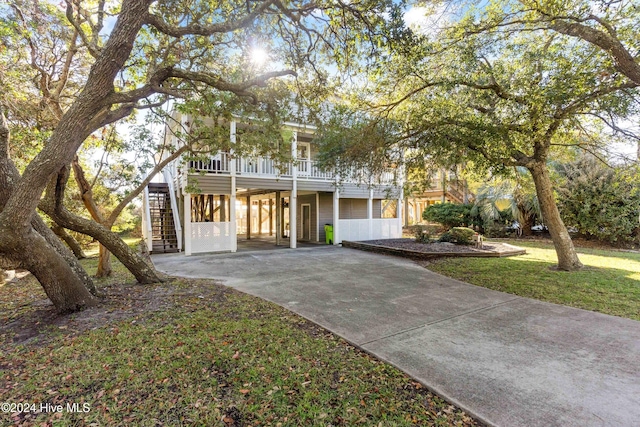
[[278, 208], [336, 216], [318, 217], [293, 199], [370, 213], [187, 224], [233, 232], [249, 211], [399, 212]]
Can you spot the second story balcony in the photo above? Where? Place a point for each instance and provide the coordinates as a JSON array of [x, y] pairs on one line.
[[223, 164]]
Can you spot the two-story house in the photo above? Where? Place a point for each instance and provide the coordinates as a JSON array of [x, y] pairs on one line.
[[213, 205]]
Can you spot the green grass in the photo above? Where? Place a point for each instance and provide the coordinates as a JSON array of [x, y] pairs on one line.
[[92, 249], [609, 282], [212, 353]]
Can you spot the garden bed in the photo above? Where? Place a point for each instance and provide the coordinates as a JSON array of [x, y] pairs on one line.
[[411, 249]]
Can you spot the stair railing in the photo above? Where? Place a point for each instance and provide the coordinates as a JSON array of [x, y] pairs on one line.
[[166, 173], [147, 230]]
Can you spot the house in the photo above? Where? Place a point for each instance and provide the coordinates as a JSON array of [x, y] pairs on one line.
[[212, 205], [444, 187]]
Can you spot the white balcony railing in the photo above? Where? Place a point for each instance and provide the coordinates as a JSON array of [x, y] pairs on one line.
[[266, 167]]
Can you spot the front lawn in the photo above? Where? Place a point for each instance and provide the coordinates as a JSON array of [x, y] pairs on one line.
[[192, 352], [609, 282]]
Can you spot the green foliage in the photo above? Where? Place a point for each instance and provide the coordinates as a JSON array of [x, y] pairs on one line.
[[424, 233], [602, 203], [502, 201], [462, 235], [608, 285], [498, 230], [449, 214]]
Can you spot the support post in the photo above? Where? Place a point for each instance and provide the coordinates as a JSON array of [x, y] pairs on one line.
[[370, 214], [223, 208], [406, 212], [278, 218], [317, 216], [293, 198], [248, 217], [336, 216], [232, 200], [187, 224], [259, 216], [399, 213], [270, 216]]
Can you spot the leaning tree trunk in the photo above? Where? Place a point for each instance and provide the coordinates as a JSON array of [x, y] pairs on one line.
[[143, 272], [69, 257], [567, 256], [69, 240], [60, 282], [52, 205], [86, 193], [104, 262], [63, 279]]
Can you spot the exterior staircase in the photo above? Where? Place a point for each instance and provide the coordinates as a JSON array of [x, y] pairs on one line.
[[165, 238]]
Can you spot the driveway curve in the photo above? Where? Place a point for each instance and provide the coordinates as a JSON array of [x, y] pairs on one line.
[[507, 360]]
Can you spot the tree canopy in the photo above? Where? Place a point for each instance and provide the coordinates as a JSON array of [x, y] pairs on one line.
[[500, 90], [93, 63]]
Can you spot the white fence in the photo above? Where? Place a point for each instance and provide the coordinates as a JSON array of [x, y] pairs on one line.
[[365, 229], [212, 237]]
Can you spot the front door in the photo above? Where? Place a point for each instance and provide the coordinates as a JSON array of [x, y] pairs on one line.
[[306, 222]]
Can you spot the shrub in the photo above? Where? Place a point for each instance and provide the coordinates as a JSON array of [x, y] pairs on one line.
[[458, 235], [449, 214], [598, 201], [498, 230], [445, 238], [462, 235], [422, 234]]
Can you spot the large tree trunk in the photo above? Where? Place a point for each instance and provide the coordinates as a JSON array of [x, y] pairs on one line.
[[69, 257], [86, 193], [104, 262], [567, 256], [143, 272], [52, 206], [69, 240], [60, 282], [35, 247]]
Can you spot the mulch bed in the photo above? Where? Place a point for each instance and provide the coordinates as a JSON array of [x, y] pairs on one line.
[[412, 249]]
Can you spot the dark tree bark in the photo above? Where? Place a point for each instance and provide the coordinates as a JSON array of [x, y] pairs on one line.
[[567, 256], [52, 205], [624, 60], [527, 223], [66, 253], [64, 281], [69, 240], [86, 193]]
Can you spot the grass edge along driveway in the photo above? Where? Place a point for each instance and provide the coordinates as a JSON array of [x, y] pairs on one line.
[[609, 282]]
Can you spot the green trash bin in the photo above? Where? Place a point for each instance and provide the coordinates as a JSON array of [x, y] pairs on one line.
[[328, 231]]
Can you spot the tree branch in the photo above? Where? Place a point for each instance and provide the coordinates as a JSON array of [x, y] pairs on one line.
[[207, 30], [625, 62], [133, 194]]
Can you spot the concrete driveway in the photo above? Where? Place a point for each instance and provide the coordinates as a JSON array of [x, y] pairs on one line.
[[507, 360]]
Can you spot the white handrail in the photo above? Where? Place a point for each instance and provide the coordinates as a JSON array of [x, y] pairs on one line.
[[174, 206], [147, 230]]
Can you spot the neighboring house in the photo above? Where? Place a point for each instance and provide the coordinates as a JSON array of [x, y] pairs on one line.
[[238, 198], [444, 187]]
